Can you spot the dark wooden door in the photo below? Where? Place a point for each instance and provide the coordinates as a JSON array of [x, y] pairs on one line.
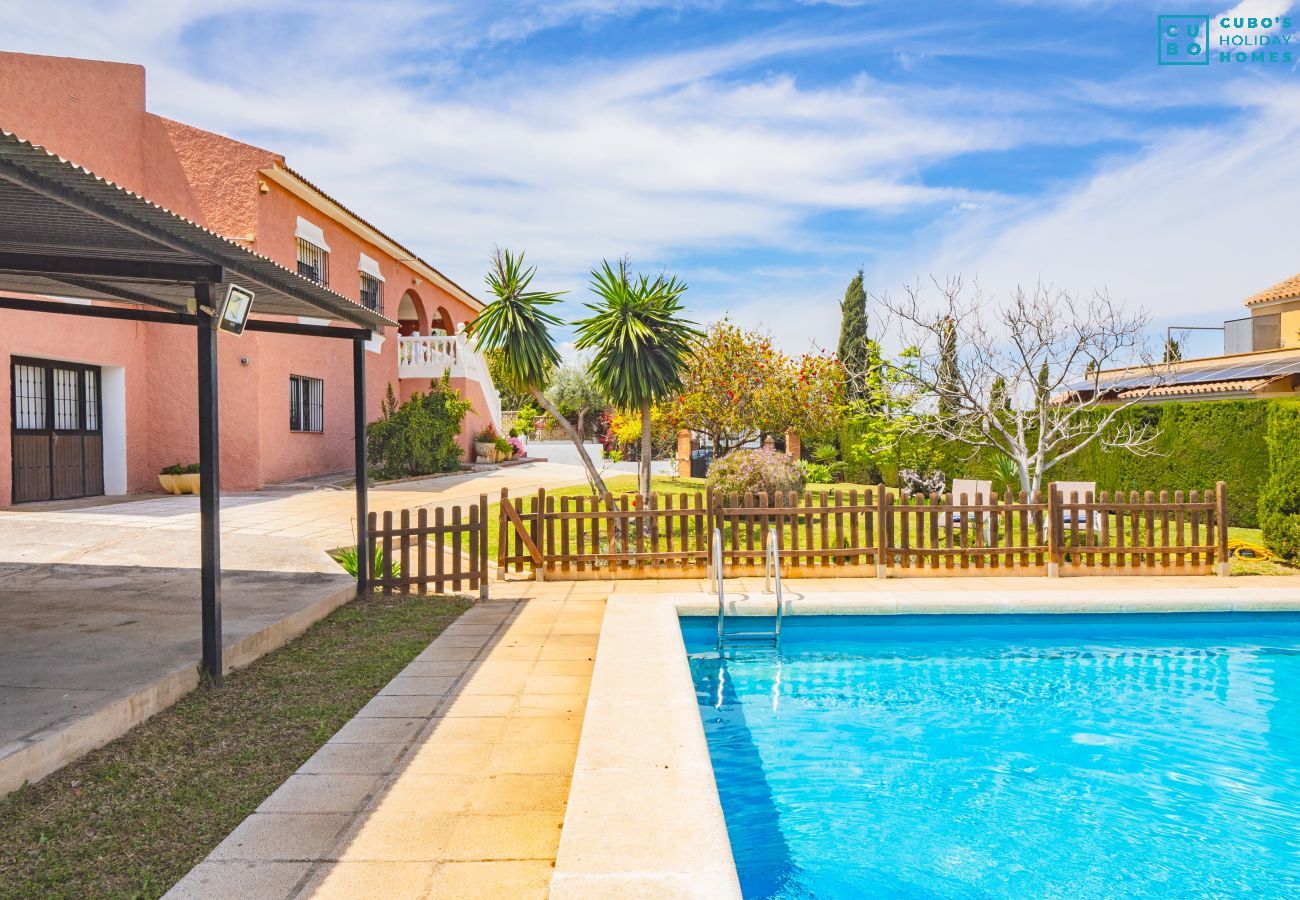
[[57, 427]]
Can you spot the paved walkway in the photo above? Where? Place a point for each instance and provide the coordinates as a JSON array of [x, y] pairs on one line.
[[452, 782], [99, 610], [322, 519]]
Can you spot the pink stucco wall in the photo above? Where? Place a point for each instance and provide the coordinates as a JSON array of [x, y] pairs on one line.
[[94, 113]]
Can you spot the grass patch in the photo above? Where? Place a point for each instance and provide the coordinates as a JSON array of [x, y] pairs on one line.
[[131, 818]]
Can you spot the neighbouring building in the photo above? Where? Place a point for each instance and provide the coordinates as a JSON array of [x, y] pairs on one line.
[[124, 390], [1260, 359]]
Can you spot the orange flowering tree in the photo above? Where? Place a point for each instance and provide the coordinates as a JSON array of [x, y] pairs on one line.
[[738, 386]]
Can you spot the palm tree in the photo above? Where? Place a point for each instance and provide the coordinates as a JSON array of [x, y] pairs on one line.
[[516, 323], [641, 343]]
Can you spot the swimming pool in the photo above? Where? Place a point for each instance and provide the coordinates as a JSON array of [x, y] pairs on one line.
[[1021, 756]]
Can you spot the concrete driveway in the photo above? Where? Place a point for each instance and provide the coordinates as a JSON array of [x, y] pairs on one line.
[[99, 602]]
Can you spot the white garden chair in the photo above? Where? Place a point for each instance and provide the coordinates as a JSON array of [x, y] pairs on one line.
[[1078, 518], [971, 488]]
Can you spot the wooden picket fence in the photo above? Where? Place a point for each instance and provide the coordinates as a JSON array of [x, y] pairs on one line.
[[856, 533], [447, 555]]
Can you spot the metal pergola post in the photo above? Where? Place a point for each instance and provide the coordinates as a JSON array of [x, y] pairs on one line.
[[209, 481], [362, 484]]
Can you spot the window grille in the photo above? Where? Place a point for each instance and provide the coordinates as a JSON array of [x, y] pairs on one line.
[[372, 292], [306, 403], [313, 263]]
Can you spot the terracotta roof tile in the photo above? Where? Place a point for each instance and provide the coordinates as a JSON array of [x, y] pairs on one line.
[[1283, 290], [1205, 387]]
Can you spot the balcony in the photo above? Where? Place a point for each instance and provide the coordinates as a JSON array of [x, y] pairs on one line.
[[1252, 334], [456, 355]]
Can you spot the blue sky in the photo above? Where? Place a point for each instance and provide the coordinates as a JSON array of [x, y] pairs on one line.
[[763, 151]]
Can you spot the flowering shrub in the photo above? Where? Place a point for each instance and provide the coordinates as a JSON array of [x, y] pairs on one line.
[[916, 483], [517, 445], [754, 470]]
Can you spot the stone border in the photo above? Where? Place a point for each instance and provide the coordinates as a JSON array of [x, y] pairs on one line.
[[32, 758], [644, 817]]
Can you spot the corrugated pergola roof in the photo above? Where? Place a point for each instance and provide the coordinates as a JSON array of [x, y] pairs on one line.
[[67, 232]]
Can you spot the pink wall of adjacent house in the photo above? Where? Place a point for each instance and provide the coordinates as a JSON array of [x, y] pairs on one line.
[[94, 114]]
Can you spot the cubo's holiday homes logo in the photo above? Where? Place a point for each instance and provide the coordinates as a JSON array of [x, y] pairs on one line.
[[1182, 40], [1186, 40]]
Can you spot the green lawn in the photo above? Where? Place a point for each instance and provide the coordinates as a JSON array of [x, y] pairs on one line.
[[129, 819]]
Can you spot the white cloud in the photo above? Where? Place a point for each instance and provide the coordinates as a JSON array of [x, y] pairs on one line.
[[1188, 229]]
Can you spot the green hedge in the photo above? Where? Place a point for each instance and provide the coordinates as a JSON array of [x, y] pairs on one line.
[[1199, 444], [1279, 503]]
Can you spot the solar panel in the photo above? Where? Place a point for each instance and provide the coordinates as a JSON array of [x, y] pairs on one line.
[[1239, 370]]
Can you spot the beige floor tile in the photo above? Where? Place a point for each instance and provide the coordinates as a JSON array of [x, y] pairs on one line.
[[453, 668], [420, 793], [378, 731], [418, 685], [353, 880], [557, 684], [467, 728], [401, 706], [550, 651], [215, 880], [562, 728], [550, 705], [509, 793], [321, 794], [401, 836], [288, 837], [479, 705], [447, 758], [564, 667], [509, 836], [525, 880], [353, 759], [534, 758]]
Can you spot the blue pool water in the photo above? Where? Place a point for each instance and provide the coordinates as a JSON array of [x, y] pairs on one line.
[[1009, 756]]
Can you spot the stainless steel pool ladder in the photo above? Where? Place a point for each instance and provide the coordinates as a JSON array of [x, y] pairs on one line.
[[771, 576]]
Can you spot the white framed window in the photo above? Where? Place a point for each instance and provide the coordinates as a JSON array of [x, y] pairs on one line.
[[306, 403], [372, 284], [313, 252], [372, 292]]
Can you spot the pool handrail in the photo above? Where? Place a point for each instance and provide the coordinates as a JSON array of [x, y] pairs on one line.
[[772, 573], [715, 572]]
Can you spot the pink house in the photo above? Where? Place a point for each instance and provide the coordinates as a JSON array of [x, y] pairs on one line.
[[123, 393]]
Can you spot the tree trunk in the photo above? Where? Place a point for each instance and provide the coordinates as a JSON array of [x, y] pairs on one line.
[[647, 450], [593, 477]]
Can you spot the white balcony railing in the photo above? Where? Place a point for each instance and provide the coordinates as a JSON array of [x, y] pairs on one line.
[[455, 355]]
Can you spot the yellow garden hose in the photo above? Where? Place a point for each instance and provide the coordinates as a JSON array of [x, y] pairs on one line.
[[1240, 549]]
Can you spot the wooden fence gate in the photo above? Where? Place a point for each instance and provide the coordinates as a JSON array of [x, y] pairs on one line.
[[449, 554], [829, 534]]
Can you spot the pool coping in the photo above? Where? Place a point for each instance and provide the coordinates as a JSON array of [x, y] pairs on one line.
[[644, 817]]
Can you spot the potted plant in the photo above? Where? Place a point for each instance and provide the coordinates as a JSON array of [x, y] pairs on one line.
[[485, 444], [190, 479], [501, 449], [180, 479], [517, 447], [168, 478]]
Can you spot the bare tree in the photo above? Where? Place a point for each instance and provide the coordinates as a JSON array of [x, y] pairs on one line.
[[1037, 377]]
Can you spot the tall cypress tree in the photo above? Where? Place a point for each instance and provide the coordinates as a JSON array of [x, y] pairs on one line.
[[947, 375], [854, 348]]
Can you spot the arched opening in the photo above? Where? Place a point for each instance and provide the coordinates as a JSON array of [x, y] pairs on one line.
[[444, 321], [410, 315]]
